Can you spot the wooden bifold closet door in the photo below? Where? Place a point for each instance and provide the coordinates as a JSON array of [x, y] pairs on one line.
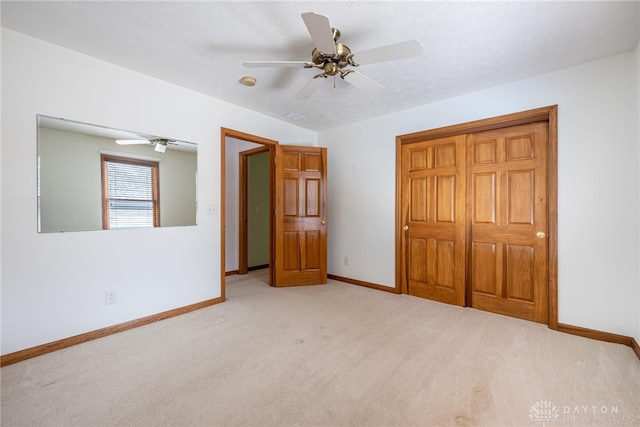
[[434, 177], [474, 208], [507, 214]]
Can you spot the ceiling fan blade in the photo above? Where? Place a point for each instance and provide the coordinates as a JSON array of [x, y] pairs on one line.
[[278, 64], [310, 87], [132, 141], [363, 83], [183, 144], [320, 31], [390, 52]]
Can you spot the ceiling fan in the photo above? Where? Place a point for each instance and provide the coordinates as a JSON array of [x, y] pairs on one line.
[[160, 143], [333, 58]]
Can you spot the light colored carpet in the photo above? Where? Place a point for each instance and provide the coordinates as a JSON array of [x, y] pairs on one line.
[[334, 355]]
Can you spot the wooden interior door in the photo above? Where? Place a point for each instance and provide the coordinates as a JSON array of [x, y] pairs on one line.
[[300, 216], [507, 211], [433, 192]]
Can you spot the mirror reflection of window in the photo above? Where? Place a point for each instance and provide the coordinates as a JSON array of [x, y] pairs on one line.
[[70, 179], [130, 192]]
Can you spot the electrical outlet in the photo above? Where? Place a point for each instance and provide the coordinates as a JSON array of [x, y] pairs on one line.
[[346, 260], [110, 296], [212, 209]]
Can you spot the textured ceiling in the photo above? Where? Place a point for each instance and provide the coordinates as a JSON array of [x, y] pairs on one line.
[[202, 45]]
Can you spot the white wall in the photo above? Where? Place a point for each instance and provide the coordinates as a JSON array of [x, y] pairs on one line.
[[53, 284], [598, 186]]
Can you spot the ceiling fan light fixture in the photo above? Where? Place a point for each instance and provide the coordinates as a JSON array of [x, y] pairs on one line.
[[248, 81], [161, 146]]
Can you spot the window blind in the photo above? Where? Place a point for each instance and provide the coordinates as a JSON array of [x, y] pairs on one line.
[[130, 188]]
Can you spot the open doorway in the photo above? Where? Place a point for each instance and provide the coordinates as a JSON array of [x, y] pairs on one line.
[[255, 209], [232, 144]]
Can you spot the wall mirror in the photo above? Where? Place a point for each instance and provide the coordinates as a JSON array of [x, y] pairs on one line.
[[92, 177]]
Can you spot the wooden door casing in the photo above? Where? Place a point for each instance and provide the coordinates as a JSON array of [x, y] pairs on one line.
[[434, 212], [300, 216], [507, 208]]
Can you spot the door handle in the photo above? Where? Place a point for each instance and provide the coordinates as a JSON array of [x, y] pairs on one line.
[[405, 228], [541, 235], [323, 222]]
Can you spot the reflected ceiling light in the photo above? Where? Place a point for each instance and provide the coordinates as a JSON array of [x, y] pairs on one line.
[[161, 145]]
